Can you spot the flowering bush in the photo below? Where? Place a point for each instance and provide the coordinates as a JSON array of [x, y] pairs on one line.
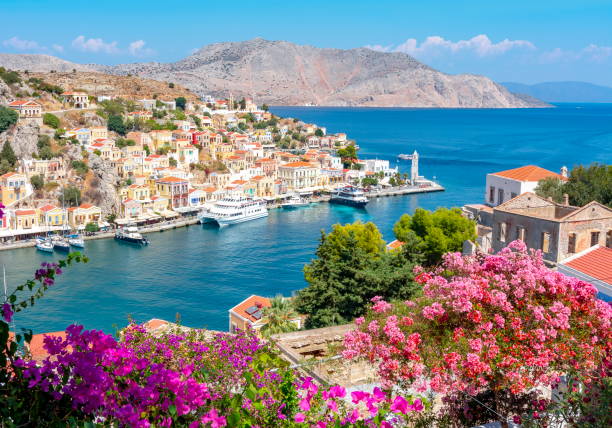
[[502, 323]]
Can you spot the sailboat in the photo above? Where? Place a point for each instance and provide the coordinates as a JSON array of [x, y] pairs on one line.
[[59, 241], [44, 244], [76, 241]]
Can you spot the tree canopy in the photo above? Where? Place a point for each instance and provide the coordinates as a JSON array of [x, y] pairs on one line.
[[351, 267], [51, 120], [585, 184], [8, 154], [8, 117], [115, 123], [181, 102], [436, 232], [279, 317]]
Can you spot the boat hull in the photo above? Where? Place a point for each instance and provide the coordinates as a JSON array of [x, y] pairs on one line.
[[297, 205], [348, 202], [133, 241], [63, 248], [228, 221], [44, 249]]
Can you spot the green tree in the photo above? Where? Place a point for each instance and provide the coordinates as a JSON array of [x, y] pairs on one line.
[[37, 181], [550, 188], [436, 232], [351, 267], [80, 167], [8, 117], [172, 162], [347, 154], [369, 181], [147, 149], [181, 102], [115, 123], [10, 77], [8, 154], [265, 107], [171, 85], [319, 132], [92, 227], [71, 196], [242, 104], [180, 115], [51, 120], [279, 317], [592, 183]]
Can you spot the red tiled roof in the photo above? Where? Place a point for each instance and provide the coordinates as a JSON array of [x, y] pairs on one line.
[[171, 180], [596, 263], [240, 309], [25, 212], [394, 245], [48, 207], [529, 173], [297, 164], [85, 206]]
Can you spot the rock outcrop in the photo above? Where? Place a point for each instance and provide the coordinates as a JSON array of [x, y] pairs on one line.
[[283, 73], [5, 93], [102, 189], [23, 138]]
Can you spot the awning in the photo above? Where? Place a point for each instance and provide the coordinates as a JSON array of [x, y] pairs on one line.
[[122, 221]]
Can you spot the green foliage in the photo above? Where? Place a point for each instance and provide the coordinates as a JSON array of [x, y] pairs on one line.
[[41, 85], [181, 102], [265, 107], [279, 317], [172, 162], [196, 120], [8, 117], [37, 181], [71, 196], [123, 142], [92, 227], [171, 85], [80, 167], [8, 154], [351, 267], [147, 149], [585, 184], [180, 115], [369, 181], [51, 120], [44, 147], [348, 154], [319, 132], [115, 123], [242, 104], [436, 232], [10, 77], [110, 108]]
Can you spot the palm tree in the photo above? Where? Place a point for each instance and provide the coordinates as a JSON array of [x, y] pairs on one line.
[[279, 316]]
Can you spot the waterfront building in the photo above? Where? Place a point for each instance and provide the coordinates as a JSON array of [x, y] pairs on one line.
[[131, 208], [76, 99], [14, 186], [558, 230], [264, 186], [505, 185], [174, 189], [197, 198], [299, 175], [79, 217], [25, 219], [28, 110], [51, 216], [378, 166], [593, 265]]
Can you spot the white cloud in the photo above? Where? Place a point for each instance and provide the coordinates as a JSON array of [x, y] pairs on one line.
[[23, 45], [58, 48], [597, 53], [481, 45], [591, 52], [95, 45], [137, 48]]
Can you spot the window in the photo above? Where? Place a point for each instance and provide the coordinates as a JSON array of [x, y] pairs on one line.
[[502, 232], [594, 238], [500, 196], [545, 242], [492, 194], [571, 243], [512, 195], [609, 239], [521, 233]]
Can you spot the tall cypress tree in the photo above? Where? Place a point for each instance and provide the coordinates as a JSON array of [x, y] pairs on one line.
[[8, 154]]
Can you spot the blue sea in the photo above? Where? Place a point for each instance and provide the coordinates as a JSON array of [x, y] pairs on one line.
[[198, 273]]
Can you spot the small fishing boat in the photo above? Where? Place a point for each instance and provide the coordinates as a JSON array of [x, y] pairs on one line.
[[44, 245], [60, 244], [76, 241], [295, 201]]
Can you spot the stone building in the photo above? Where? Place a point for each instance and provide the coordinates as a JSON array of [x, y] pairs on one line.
[[28, 110], [76, 99], [559, 230]]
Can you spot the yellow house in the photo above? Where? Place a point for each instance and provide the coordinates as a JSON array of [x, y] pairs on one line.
[[99, 132], [50, 215], [13, 187], [83, 214], [264, 186], [25, 219], [160, 204], [160, 138]]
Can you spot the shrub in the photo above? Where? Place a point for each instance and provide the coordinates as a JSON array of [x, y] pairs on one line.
[[51, 120], [37, 181], [8, 117]]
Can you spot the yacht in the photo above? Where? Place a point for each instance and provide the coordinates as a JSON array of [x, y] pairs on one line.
[[349, 195], [131, 235], [295, 201], [44, 245], [237, 209], [76, 241]]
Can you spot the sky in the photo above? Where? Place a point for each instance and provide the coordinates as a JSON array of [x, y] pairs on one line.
[[508, 40]]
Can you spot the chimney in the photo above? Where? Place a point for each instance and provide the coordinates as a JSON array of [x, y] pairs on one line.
[[564, 171], [566, 199]]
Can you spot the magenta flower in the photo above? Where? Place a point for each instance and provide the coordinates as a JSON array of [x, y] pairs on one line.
[[299, 417], [7, 311]]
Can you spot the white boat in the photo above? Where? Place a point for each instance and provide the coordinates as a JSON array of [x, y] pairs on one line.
[[60, 244], [295, 202], [76, 241], [44, 245], [349, 195], [238, 209], [404, 156]]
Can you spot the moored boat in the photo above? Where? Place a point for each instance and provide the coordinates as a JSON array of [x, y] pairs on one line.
[[44, 245], [295, 201], [131, 235], [349, 195], [60, 244], [76, 241], [238, 209]]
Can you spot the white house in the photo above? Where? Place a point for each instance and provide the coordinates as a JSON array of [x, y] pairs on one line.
[[505, 185], [379, 165]]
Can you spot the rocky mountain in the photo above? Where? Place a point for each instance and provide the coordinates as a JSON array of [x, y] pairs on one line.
[[39, 62], [283, 73], [564, 92]]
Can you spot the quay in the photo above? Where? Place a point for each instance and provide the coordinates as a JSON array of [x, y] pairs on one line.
[[192, 220]]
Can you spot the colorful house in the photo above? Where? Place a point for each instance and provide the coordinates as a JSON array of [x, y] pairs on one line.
[[25, 219], [14, 186], [50, 215], [174, 189], [79, 217], [248, 313]]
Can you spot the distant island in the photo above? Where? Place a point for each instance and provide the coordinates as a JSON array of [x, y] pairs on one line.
[[563, 92], [283, 73]]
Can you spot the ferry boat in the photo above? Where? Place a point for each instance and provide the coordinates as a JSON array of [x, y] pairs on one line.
[[76, 241], [349, 195], [404, 156], [238, 209], [131, 235], [44, 245], [295, 201]]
